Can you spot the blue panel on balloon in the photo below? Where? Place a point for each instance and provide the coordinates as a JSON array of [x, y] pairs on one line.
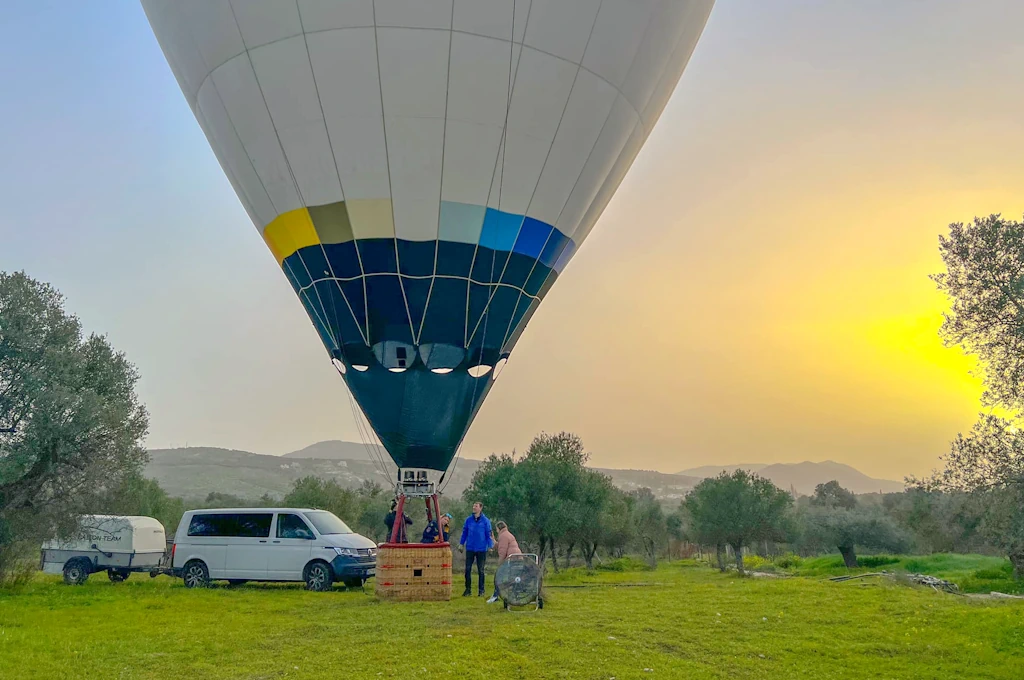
[[378, 255], [335, 311], [478, 297], [563, 258], [517, 315], [416, 258], [500, 230], [296, 270], [312, 306], [343, 259], [316, 262], [532, 237], [296, 286], [518, 269], [388, 319], [454, 258], [553, 248], [499, 316], [445, 320], [485, 269], [355, 295], [536, 281], [416, 292]]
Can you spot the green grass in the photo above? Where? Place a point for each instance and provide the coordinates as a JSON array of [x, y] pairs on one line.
[[973, 573], [689, 622]]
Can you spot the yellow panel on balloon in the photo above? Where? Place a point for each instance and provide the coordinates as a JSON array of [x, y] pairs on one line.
[[289, 232]]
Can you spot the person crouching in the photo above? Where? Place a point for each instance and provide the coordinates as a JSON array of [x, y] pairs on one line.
[[507, 545]]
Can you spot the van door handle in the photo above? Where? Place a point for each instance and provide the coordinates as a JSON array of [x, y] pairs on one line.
[[263, 540], [277, 541]]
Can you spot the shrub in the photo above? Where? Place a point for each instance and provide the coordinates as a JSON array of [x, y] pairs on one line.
[[788, 561], [995, 573], [624, 564], [874, 561]]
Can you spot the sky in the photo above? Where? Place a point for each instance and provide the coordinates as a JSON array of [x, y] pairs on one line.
[[757, 291]]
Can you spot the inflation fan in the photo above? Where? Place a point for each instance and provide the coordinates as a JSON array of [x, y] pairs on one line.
[[519, 581]]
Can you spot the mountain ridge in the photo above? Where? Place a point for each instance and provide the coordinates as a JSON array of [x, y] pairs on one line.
[[804, 476], [194, 472]]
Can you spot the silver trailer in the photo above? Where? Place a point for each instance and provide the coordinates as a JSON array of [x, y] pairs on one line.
[[115, 544]]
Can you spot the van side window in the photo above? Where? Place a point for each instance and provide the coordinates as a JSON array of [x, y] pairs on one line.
[[292, 526], [244, 525], [213, 525], [256, 525]]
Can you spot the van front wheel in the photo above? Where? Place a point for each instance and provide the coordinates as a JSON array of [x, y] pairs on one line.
[[195, 575], [318, 576]]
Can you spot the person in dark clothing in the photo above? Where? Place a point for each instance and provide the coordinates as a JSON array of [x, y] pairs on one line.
[[389, 521], [476, 540], [430, 533]]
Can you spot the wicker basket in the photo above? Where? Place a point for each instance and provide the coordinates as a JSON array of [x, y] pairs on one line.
[[414, 572]]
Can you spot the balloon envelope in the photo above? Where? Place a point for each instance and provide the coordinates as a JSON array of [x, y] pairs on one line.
[[423, 170]]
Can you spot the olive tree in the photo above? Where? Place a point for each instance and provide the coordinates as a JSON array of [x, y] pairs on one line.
[[984, 280], [989, 463], [71, 425], [736, 509]]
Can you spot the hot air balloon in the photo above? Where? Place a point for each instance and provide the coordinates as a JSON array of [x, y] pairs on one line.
[[423, 170]]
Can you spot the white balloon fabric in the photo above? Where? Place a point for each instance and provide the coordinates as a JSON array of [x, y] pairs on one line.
[[423, 170]]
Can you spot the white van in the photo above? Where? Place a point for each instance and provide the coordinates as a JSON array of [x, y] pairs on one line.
[[270, 544]]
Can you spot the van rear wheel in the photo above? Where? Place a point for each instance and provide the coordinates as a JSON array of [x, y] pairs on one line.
[[318, 576], [195, 574], [77, 570]]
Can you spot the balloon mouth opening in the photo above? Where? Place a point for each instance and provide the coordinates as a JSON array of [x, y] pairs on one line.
[[419, 359]]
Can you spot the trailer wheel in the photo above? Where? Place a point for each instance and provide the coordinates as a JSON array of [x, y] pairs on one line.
[[118, 575], [76, 571], [195, 574], [318, 576]]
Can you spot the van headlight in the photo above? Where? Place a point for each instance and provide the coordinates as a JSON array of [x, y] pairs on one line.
[[346, 552]]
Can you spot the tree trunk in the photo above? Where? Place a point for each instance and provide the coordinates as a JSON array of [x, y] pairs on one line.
[[738, 549], [720, 553], [568, 554], [588, 555], [542, 553], [554, 554], [1017, 560], [652, 552], [849, 556]]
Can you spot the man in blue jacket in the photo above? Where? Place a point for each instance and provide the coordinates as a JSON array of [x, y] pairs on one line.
[[476, 540]]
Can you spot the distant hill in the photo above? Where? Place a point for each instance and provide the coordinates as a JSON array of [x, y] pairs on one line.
[[805, 476], [715, 470], [195, 472], [332, 450]]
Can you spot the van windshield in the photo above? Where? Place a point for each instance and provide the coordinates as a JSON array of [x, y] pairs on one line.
[[327, 523]]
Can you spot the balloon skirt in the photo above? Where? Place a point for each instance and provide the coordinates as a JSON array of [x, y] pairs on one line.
[[414, 572]]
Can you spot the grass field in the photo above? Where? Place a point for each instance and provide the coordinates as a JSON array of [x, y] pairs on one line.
[[686, 621], [972, 573]]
